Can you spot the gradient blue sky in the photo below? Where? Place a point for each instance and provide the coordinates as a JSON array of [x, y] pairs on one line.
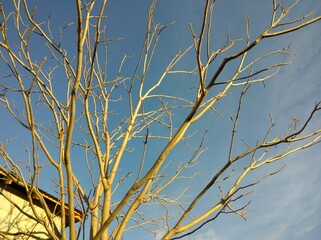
[[285, 206]]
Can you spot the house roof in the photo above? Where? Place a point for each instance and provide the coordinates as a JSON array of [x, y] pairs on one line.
[[53, 203]]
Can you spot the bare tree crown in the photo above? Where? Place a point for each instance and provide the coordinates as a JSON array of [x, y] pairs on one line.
[[109, 138]]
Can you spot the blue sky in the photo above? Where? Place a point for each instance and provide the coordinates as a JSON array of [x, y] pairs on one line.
[[285, 206]]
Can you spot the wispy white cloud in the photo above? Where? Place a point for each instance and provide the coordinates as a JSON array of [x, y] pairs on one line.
[[289, 208], [208, 235], [298, 84]]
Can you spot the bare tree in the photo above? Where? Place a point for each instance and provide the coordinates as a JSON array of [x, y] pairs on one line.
[[107, 139]]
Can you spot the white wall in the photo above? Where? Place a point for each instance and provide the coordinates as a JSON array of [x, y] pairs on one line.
[[12, 220]]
